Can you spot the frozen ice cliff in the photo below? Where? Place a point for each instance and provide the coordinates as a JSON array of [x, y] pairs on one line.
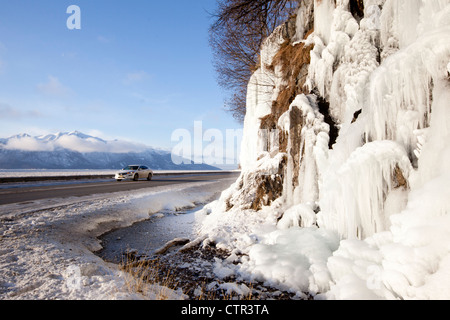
[[345, 184]]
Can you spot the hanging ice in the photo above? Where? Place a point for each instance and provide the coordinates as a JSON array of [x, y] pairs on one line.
[[353, 199]]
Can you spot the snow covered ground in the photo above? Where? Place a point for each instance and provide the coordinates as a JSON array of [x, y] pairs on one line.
[[47, 246]]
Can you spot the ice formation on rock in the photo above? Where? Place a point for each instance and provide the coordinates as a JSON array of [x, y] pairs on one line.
[[375, 206]]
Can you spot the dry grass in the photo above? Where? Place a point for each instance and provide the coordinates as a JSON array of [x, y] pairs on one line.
[[293, 61], [146, 276], [211, 295], [158, 278]]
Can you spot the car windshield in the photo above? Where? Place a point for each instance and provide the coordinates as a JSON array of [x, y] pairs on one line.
[[131, 168]]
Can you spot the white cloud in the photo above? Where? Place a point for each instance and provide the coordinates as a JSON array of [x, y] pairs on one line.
[[27, 144], [8, 112], [96, 133], [134, 77], [94, 145], [69, 55], [103, 39], [73, 143], [53, 87]]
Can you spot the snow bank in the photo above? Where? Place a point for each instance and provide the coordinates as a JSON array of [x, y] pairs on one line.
[[293, 260], [47, 248]]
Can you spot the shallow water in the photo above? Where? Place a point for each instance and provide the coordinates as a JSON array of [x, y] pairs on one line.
[[148, 236]]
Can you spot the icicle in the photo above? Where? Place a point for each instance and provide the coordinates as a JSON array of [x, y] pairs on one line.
[[323, 14], [353, 198], [400, 89], [262, 90]]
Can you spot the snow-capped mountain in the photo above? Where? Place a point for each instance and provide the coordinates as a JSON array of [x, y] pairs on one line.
[[76, 150]]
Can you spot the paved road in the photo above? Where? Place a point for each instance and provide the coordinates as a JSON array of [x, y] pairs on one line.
[[26, 193]]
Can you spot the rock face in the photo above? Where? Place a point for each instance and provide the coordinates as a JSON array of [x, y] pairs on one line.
[[261, 186], [288, 127]]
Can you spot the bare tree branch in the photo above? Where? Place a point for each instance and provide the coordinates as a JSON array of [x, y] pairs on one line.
[[236, 36]]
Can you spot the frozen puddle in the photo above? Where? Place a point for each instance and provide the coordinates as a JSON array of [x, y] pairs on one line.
[[148, 236], [172, 216]]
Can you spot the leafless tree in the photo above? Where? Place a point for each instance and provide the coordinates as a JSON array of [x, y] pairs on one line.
[[236, 36]]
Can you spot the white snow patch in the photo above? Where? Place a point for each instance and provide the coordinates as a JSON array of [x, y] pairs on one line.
[[47, 250]]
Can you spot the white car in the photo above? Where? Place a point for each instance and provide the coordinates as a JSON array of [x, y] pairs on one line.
[[135, 172]]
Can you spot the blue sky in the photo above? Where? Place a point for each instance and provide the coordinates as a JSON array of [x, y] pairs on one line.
[[136, 70]]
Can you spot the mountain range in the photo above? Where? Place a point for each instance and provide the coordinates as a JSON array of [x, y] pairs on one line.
[[76, 150]]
